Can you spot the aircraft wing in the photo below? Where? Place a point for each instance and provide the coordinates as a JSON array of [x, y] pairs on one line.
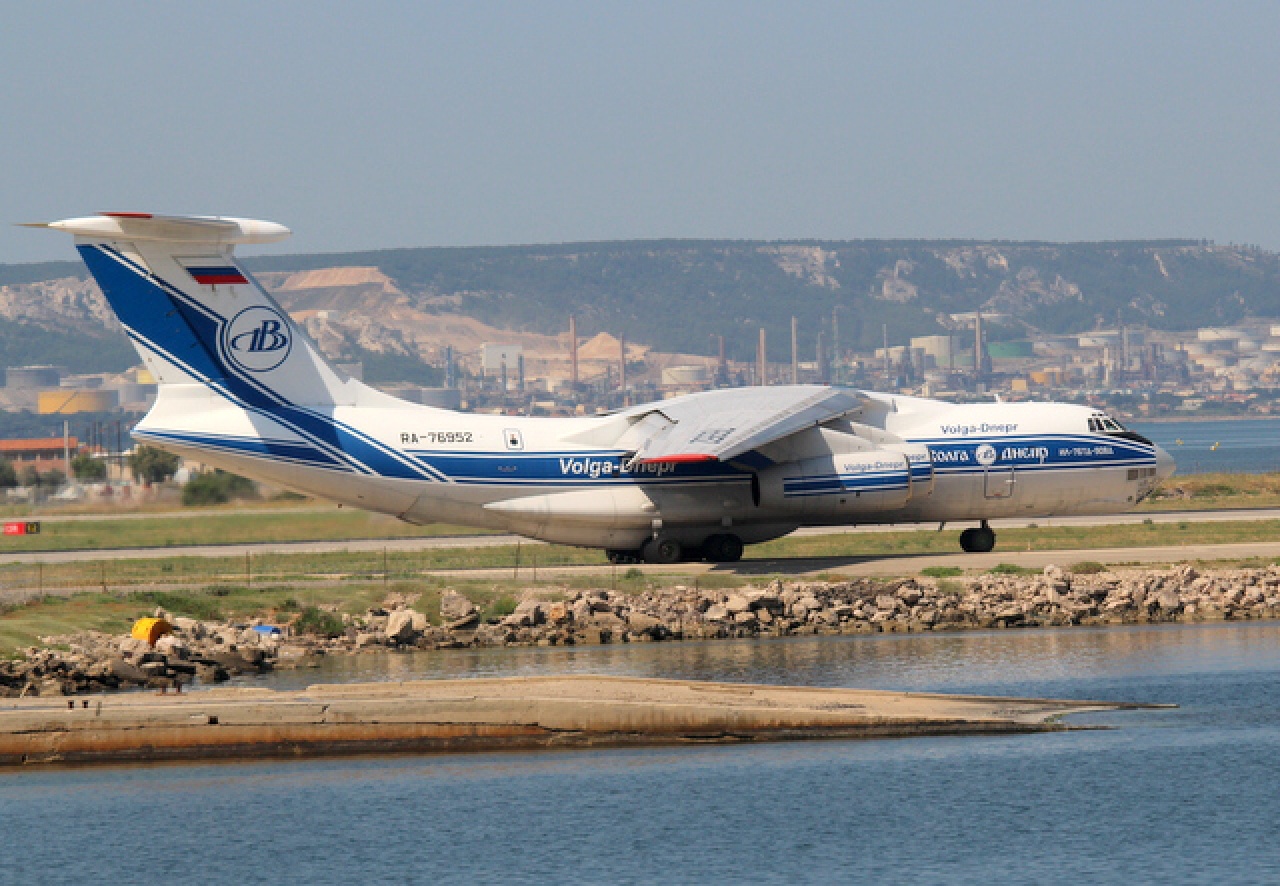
[[721, 425]]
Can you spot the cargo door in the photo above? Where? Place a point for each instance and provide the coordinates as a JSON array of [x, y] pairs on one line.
[[998, 481]]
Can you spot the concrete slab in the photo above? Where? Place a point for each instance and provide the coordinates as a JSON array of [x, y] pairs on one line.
[[490, 714]]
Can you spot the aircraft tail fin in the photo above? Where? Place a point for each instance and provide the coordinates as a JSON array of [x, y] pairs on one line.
[[196, 316]]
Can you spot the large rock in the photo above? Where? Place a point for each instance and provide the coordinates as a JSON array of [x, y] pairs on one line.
[[716, 612], [172, 647], [126, 672], [737, 603], [132, 646], [528, 613], [400, 626], [454, 606], [640, 623], [189, 627]]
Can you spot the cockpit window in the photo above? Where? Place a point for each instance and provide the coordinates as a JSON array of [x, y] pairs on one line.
[[1105, 424]]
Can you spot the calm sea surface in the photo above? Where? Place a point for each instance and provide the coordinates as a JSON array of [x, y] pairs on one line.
[[1243, 445], [1178, 796]]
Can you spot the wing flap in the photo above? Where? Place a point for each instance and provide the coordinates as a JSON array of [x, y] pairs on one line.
[[720, 425]]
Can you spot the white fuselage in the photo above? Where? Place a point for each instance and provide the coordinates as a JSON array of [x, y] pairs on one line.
[[902, 459]]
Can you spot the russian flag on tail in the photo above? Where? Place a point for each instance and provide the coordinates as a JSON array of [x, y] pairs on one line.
[[214, 271]]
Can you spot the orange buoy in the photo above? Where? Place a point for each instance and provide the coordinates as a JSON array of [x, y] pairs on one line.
[[150, 629]]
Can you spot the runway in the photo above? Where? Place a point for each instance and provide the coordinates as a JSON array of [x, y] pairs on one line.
[[881, 565]]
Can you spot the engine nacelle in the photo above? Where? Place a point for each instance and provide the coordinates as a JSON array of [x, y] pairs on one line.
[[849, 485]]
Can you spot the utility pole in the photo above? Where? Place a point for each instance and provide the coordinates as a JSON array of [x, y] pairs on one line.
[[884, 330], [835, 334], [622, 364], [823, 375], [573, 353], [762, 365], [795, 352]]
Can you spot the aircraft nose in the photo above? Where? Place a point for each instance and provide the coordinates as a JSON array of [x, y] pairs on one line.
[[1164, 464]]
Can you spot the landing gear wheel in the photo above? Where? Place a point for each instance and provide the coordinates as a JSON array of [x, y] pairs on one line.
[[722, 549], [662, 550], [978, 541]]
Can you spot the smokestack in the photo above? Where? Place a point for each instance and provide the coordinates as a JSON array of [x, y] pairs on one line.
[[520, 373], [762, 365], [795, 352], [884, 331], [622, 363], [822, 357], [573, 352], [723, 369], [977, 348]]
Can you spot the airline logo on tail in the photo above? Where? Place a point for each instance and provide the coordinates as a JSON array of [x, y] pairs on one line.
[[257, 339]]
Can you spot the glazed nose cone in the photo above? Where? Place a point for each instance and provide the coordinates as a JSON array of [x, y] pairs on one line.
[[1164, 464]]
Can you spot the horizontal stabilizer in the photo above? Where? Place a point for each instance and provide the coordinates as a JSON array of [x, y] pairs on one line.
[[133, 226]]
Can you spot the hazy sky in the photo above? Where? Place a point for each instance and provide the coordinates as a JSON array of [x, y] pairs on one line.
[[404, 124]]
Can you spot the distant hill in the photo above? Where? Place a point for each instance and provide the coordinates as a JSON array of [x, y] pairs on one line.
[[673, 295]]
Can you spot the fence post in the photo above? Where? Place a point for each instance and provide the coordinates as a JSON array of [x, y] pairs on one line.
[[516, 573], [248, 569], [102, 568]]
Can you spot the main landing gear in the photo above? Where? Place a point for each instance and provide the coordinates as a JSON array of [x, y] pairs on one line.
[[719, 548], [979, 540], [724, 548]]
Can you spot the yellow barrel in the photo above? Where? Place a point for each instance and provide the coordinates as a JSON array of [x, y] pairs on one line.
[[150, 629]]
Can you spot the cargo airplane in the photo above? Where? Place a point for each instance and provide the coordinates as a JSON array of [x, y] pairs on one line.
[[241, 387]]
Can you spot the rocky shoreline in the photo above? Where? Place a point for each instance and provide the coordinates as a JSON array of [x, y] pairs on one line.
[[211, 652]]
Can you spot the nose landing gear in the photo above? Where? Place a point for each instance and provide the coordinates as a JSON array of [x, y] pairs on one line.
[[979, 540]]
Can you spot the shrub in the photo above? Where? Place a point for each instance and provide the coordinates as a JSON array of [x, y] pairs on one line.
[[85, 467], [942, 571], [190, 605], [1086, 567], [320, 623], [1011, 569], [217, 487], [499, 608], [152, 465]]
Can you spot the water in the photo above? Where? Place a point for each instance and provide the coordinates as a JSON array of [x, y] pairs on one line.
[[1187, 795], [1250, 446]]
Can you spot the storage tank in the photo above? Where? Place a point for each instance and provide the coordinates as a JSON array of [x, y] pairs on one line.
[[64, 401], [30, 377], [441, 398], [686, 375]]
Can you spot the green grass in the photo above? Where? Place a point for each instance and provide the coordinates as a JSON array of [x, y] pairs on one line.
[[1214, 492], [212, 528], [308, 521], [942, 571], [319, 622], [1012, 569], [346, 566]]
